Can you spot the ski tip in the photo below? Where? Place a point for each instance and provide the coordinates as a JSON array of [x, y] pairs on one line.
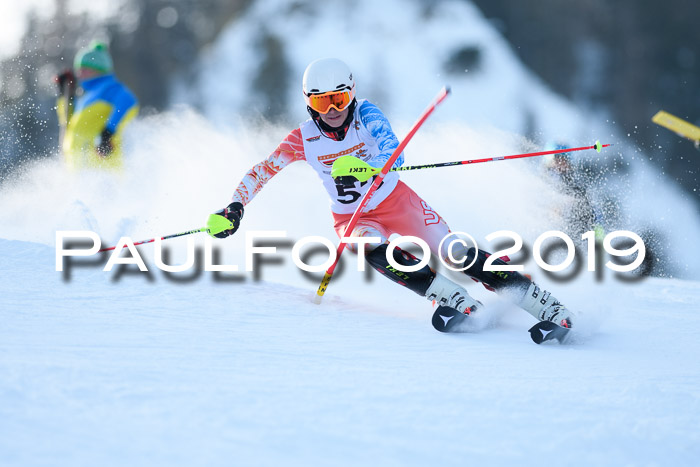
[[548, 331], [446, 319], [448, 89]]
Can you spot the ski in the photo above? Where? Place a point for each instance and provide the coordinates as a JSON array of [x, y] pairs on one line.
[[446, 319], [546, 331]]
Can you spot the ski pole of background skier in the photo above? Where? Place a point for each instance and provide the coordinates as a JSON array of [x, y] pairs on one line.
[[370, 192]]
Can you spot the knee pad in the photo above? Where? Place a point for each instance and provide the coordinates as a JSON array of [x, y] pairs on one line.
[[417, 281]]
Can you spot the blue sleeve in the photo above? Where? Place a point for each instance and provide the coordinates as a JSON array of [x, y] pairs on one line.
[[380, 129], [122, 100]]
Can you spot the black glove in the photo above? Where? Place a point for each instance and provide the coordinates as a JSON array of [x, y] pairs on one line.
[[105, 147], [65, 81], [234, 213]]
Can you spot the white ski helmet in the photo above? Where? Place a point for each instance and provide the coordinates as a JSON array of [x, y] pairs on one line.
[[327, 75], [327, 84]]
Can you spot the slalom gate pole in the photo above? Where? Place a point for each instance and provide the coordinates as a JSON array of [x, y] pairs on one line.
[[181, 234], [68, 95], [677, 125], [597, 146], [444, 92]]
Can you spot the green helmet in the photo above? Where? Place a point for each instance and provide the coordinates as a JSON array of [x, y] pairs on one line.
[[95, 57]]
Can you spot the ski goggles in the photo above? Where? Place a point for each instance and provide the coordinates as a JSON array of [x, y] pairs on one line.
[[322, 103]]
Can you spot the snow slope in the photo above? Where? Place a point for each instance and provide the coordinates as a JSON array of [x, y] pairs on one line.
[[101, 370]]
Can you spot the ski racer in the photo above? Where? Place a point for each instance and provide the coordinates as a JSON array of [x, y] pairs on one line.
[[342, 125], [93, 120]]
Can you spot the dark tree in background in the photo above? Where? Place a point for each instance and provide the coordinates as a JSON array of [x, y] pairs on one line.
[[155, 39], [624, 58]]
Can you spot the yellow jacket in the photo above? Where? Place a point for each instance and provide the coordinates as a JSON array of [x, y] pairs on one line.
[[106, 104]]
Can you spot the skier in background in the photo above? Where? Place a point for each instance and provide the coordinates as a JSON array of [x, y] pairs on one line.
[[342, 125], [581, 214], [92, 118], [587, 207]]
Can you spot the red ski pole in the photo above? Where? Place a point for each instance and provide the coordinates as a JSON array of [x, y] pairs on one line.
[[377, 181], [189, 232], [597, 146]]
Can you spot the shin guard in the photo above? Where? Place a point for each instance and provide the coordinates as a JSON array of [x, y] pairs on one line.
[[498, 280], [418, 281]]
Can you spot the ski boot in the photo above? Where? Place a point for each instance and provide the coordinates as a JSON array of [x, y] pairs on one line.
[[555, 319], [453, 303]]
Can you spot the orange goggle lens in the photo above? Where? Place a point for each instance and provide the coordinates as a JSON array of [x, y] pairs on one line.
[[322, 103]]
